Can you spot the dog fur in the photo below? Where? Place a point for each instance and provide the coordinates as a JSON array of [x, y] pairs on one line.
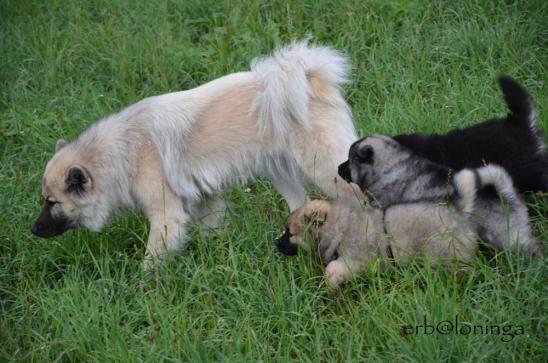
[[348, 239], [285, 119], [515, 143], [392, 174]]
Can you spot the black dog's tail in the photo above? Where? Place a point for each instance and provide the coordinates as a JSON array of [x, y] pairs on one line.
[[520, 104]]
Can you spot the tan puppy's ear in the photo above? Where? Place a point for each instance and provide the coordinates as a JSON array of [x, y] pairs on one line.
[[60, 144], [316, 212], [315, 217]]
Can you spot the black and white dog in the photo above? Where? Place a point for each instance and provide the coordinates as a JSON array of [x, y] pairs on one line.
[[391, 174], [515, 143]]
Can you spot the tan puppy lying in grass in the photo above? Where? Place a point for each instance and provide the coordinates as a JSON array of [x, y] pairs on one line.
[[347, 239]]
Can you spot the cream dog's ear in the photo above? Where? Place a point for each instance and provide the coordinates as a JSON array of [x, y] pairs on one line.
[[316, 212], [60, 144]]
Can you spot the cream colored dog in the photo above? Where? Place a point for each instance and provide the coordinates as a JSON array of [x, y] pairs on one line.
[[171, 156]]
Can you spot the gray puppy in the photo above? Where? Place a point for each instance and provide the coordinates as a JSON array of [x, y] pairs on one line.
[[347, 239], [390, 173]]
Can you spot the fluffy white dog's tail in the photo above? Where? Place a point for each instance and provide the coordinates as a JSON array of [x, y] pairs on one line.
[[286, 77]]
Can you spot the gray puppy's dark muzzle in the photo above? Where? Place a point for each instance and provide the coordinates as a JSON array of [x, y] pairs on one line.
[[344, 171], [47, 226], [285, 246]]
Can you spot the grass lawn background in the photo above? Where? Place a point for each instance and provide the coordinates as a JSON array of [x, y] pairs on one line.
[[417, 66]]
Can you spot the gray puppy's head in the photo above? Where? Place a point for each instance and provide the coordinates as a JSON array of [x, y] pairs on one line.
[[373, 162], [69, 194]]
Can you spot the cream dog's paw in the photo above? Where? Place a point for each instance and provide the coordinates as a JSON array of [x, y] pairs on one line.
[[150, 263]]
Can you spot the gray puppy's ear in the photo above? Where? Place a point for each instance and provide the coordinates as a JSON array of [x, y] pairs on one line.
[[78, 180], [60, 144]]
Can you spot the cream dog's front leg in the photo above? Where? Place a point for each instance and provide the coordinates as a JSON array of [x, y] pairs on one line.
[[167, 218], [161, 205], [167, 232]]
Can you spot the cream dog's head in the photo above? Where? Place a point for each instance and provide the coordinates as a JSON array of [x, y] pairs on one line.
[[71, 196]]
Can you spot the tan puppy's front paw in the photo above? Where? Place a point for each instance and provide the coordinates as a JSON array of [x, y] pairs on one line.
[[335, 273]]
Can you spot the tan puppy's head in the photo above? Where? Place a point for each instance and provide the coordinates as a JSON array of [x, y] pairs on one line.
[[303, 222], [66, 188]]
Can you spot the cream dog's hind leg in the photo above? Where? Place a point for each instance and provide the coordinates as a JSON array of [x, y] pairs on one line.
[[210, 212], [319, 156]]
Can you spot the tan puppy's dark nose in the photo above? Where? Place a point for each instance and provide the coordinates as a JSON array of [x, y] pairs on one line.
[[285, 246]]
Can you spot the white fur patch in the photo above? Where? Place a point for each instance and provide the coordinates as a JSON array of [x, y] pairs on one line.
[[465, 183]]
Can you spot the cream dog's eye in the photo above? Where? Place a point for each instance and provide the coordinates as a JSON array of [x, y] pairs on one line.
[[51, 203]]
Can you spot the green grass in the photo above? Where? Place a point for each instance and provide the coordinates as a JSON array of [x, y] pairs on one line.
[[418, 66]]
